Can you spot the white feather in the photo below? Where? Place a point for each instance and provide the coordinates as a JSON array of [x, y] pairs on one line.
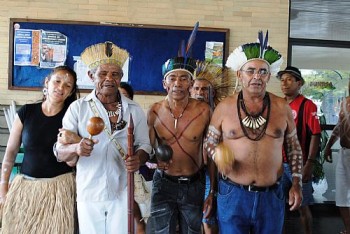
[[236, 59]]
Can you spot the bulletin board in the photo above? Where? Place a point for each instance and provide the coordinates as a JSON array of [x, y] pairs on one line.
[[149, 47]]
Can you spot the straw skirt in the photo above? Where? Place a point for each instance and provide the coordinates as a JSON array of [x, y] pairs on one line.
[[40, 205]]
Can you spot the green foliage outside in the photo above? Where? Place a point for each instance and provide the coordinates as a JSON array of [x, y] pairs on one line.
[[319, 84]]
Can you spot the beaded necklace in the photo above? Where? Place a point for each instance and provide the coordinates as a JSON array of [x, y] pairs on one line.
[[121, 123], [116, 112], [251, 122]]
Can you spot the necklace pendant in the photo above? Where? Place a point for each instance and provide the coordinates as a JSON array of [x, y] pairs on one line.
[[175, 123], [253, 123]]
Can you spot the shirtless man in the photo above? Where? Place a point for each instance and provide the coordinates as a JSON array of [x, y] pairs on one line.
[[342, 132], [211, 84], [180, 122], [253, 124]]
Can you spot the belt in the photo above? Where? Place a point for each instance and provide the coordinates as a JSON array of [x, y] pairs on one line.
[[181, 179], [253, 188]]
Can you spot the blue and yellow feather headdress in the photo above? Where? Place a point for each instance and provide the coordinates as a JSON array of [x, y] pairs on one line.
[[258, 50], [184, 60], [221, 79]]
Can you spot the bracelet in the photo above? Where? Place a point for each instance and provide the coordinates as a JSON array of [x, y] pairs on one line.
[[213, 157], [4, 182], [55, 152], [297, 175], [300, 176], [312, 160], [212, 191]]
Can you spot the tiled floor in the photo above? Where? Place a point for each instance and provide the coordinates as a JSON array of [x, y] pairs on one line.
[[326, 220]]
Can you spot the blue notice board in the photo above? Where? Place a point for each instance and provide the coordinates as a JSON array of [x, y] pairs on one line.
[[149, 46]]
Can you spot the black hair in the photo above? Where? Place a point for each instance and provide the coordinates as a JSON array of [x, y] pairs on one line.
[[75, 91], [128, 89]]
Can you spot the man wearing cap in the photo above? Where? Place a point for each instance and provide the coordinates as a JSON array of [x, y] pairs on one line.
[[245, 138], [308, 131], [101, 162], [180, 122]]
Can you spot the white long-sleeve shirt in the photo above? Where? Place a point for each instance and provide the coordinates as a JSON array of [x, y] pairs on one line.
[[102, 175]]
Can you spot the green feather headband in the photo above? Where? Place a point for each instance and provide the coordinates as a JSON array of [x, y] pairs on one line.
[[258, 50]]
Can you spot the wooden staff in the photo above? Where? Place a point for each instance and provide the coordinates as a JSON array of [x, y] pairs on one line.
[[131, 225]]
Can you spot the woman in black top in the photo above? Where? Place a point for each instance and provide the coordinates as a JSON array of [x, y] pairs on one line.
[[41, 199]]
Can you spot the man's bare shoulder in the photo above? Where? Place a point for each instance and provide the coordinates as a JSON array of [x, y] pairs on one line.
[[279, 101], [153, 111], [155, 106], [198, 105], [345, 106], [228, 102], [347, 99]]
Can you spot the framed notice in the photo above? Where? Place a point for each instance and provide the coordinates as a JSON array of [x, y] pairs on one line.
[[149, 47]]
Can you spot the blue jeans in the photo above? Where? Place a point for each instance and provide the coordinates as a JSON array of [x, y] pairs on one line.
[[173, 202], [242, 212]]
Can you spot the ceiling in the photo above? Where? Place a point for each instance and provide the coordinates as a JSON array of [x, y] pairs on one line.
[[321, 20]]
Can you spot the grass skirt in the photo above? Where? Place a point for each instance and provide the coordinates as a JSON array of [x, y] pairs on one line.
[[40, 205]]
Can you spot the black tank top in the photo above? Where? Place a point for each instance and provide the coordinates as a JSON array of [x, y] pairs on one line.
[[38, 137]]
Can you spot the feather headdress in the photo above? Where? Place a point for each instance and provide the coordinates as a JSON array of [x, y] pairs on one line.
[[258, 50], [184, 60], [221, 79], [104, 53]]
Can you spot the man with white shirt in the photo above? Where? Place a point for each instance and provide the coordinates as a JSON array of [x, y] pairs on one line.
[[102, 165]]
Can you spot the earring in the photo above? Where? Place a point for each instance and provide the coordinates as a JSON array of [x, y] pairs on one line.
[[45, 91]]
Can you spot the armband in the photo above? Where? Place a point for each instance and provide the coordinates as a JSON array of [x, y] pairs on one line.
[[212, 139], [294, 153], [55, 152]]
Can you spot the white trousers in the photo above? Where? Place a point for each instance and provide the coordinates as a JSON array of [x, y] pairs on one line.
[[107, 217], [342, 179]]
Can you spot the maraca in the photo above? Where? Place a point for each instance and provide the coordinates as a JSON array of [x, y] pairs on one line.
[[164, 153], [95, 126], [224, 158]]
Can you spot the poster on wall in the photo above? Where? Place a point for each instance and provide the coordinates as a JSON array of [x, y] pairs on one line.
[[53, 50], [148, 46], [214, 52], [26, 47]]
